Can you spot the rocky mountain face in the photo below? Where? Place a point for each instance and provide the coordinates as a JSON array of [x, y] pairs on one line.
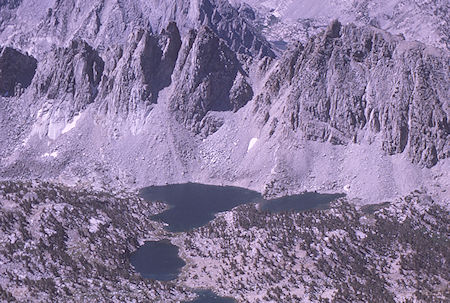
[[226, 22], [122, 94], [196, 81], [212, 80], [142, 64], [105, 23], [284, 21], [349, 83], [16, 71], [139, 71], [71, 75]]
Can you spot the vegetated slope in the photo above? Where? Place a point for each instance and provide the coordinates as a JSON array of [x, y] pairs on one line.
[[62, 244], [390, 252]]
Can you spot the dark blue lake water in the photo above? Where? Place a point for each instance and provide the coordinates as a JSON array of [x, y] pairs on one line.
[[301, 202], [157, 260], [193, 205], [207, 296]]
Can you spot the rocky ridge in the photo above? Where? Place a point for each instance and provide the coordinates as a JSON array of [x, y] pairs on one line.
[[16, 71], [349, 83], [213, 80], [287, 21], [139, 71], [187, 97], [104, 23]]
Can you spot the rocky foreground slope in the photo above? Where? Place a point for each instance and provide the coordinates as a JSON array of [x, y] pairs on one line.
[[61, 244], [388, 252]]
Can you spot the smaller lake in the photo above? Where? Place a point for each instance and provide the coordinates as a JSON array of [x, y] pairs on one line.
[[207, 296], [157, 260]]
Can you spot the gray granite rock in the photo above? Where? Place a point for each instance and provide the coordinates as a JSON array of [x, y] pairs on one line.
[[139, 70], [70, 75], [350, 81], [206, 74], [16, 71]]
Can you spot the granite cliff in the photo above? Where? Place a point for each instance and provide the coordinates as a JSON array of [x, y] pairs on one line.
[[189, 91]]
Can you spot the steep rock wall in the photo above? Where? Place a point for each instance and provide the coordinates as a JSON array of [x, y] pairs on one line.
[[207, 74], [139, 70], [349, 82], [16, 71]]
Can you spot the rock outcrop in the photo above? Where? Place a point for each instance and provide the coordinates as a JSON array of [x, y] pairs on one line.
[[105, 23], [208, 80], [139, 70], [207, 75], [70, 76], [181, 97], [10, 4], [230, 26], [282, 21], [351, 81], [16, 71]]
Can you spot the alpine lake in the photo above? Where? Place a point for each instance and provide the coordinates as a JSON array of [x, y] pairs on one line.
[[193, 205]]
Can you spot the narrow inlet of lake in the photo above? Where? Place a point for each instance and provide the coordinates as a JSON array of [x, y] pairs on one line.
[[207, 296]]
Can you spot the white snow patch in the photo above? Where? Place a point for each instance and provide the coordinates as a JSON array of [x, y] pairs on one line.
[[52, 154], [347, 187], [252, 143], [71, 125], [39, 113]]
